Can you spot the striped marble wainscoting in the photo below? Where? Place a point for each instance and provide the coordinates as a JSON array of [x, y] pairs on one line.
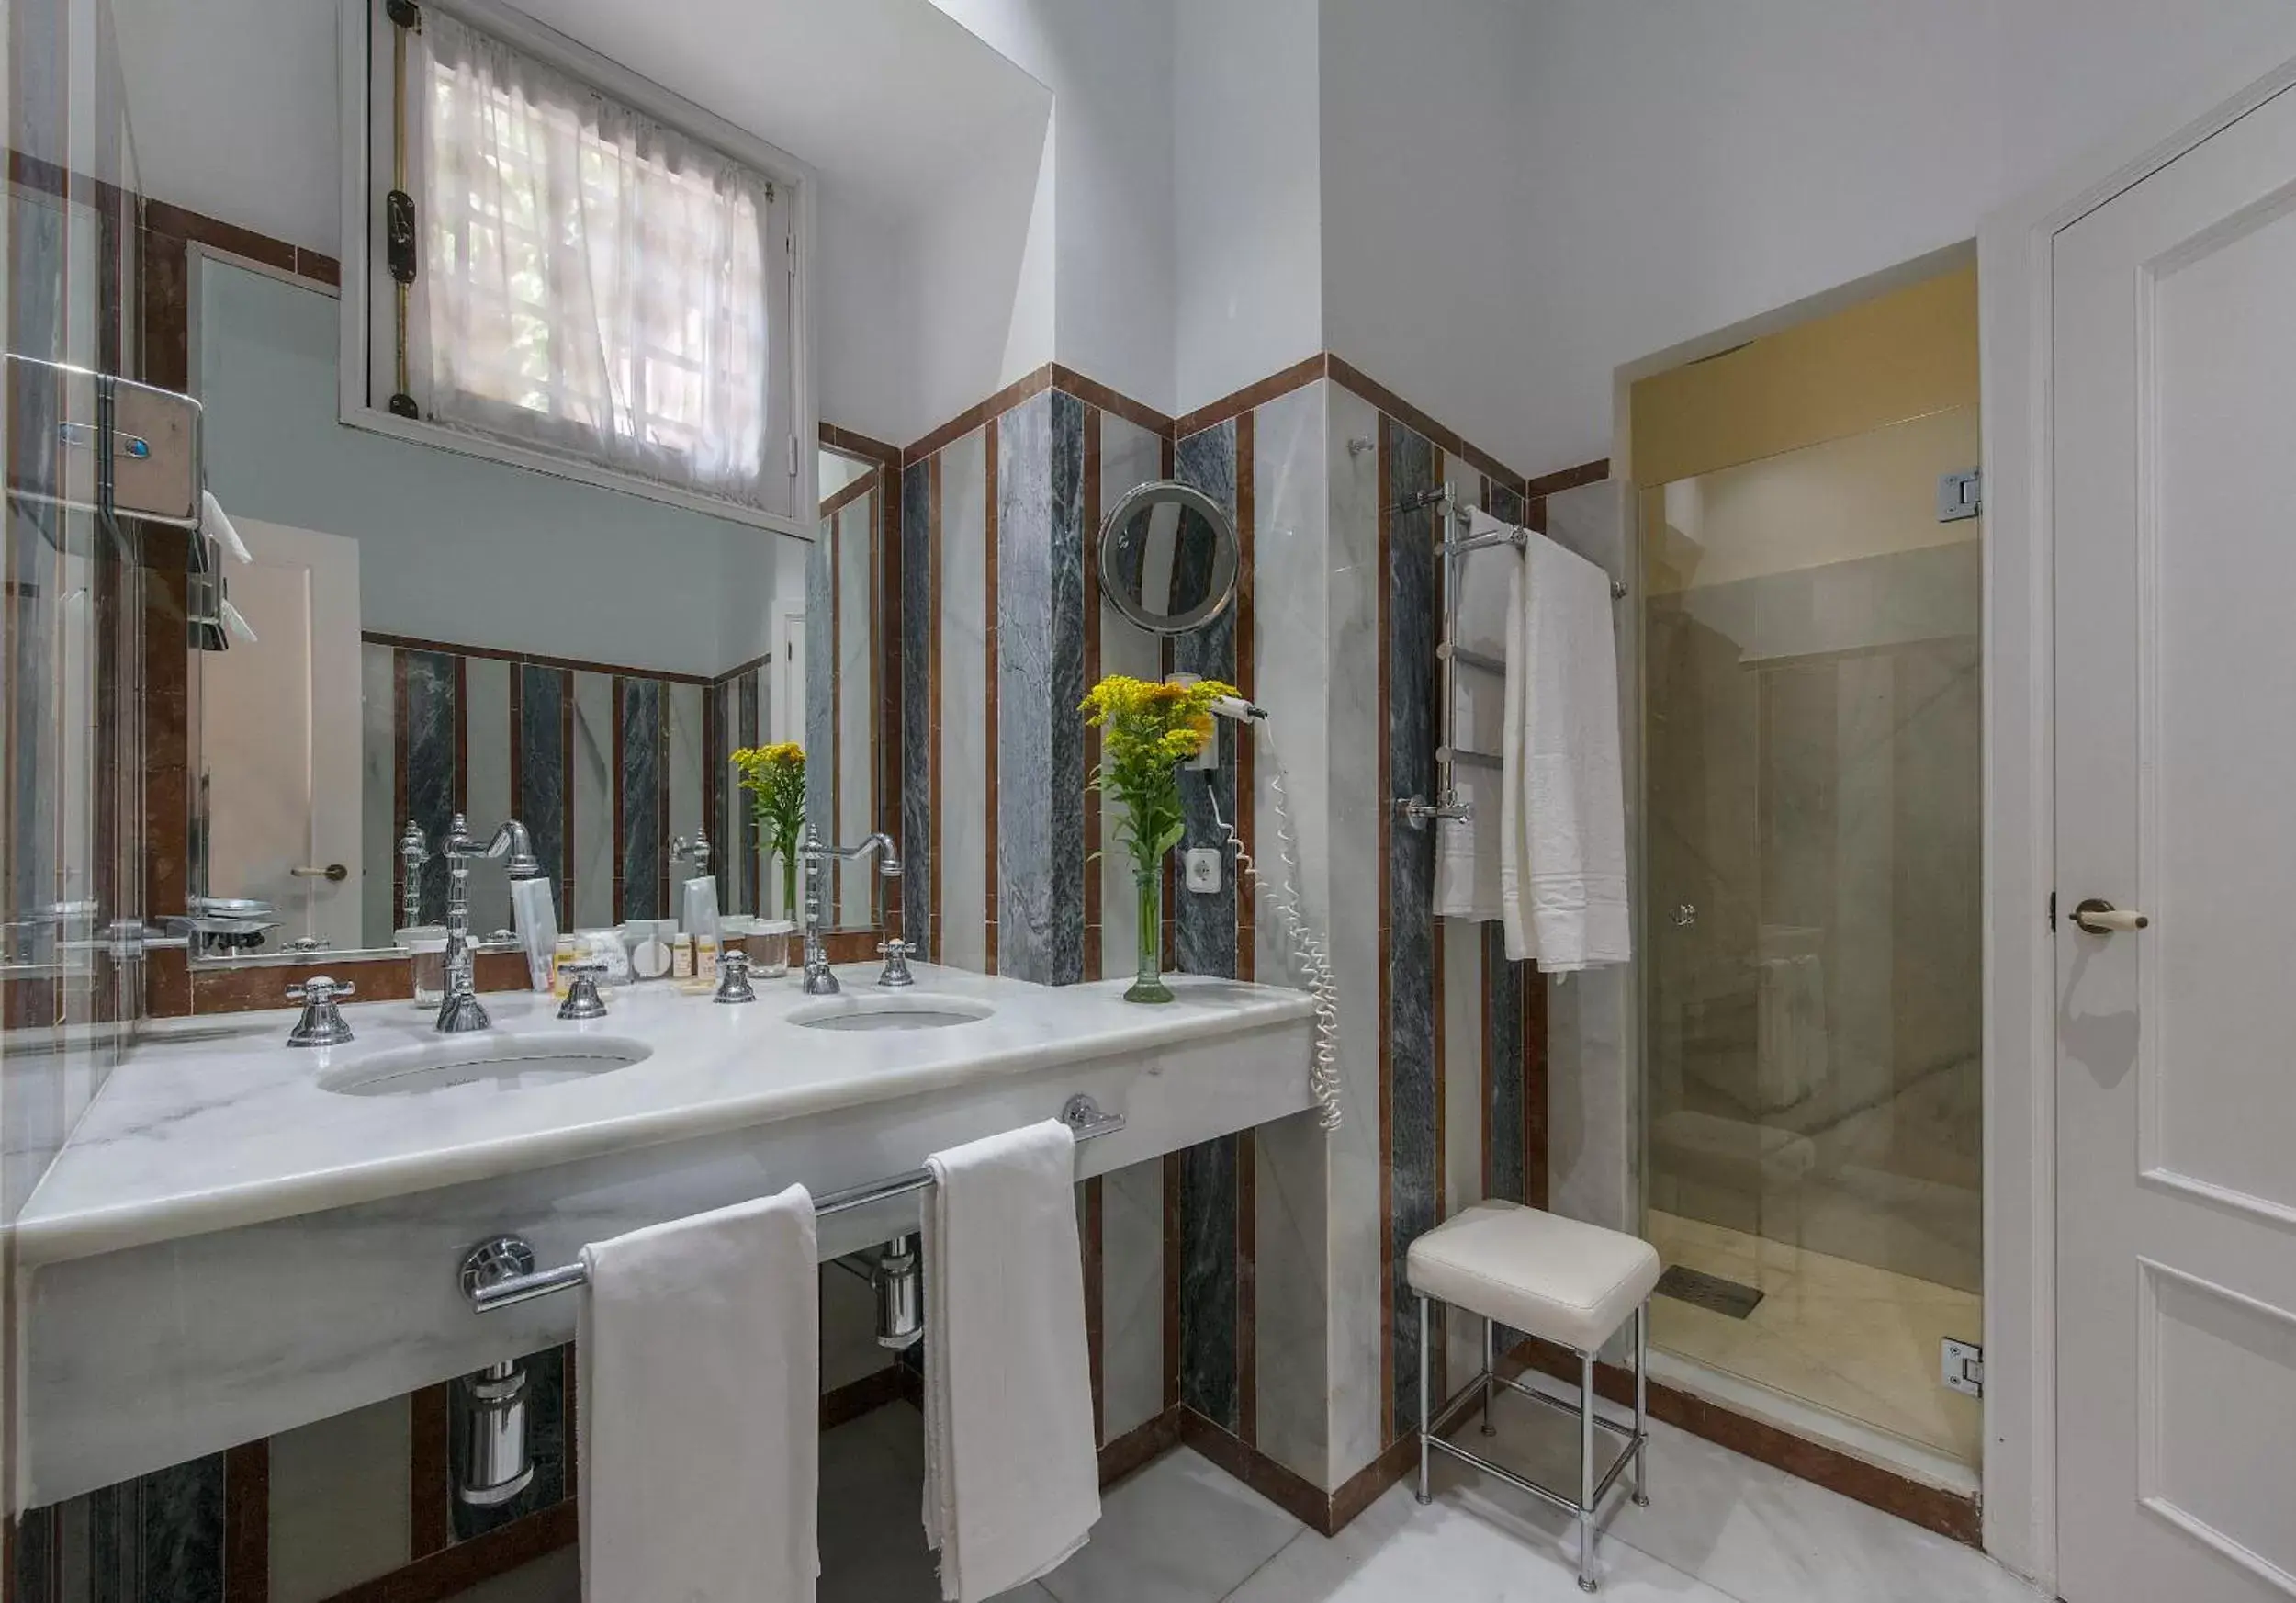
[[1245, 1293], [604, 767]]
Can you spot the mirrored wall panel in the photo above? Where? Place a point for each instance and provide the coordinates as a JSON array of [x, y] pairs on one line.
[[416, 633]]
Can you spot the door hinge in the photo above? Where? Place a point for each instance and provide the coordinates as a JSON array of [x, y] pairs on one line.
[[1959, 495], [2053, 909], [1963, 1367], [792, 456]]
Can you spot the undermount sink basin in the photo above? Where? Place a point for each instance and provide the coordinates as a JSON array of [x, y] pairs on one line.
[[500, 1063], [890, 1012]]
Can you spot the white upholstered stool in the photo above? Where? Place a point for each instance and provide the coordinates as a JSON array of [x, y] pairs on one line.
[[1568, 1282]]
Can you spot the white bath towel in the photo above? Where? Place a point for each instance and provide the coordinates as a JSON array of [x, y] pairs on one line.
[[1563, 829], [701, 1408], [1011, 1471], [1467, 850]]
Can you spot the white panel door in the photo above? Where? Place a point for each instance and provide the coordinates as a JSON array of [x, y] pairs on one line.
[[279, 730], [2175, 524]]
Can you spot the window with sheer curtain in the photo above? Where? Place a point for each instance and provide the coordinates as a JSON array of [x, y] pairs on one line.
[[593, 284]]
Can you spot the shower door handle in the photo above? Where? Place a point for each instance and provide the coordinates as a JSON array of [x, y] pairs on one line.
[[2099, 916]]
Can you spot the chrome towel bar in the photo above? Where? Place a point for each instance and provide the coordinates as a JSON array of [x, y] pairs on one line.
[[501, 1269]]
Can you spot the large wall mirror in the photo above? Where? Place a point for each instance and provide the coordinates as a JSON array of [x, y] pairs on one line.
[[422, 627], [427, 632]]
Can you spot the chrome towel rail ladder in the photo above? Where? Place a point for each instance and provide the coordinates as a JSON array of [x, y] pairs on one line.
[[1416, 810], [501, 1269]]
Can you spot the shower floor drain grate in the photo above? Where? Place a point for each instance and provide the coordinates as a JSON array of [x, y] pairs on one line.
[[1708, 1292]]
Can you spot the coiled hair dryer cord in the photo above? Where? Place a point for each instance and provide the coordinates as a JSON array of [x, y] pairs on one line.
[[1309, 956]]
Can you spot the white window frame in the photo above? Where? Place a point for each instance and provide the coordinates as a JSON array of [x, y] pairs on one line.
[[367, 321]]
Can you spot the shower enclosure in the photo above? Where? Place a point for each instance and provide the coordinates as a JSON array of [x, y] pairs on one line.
[[1811, 826]]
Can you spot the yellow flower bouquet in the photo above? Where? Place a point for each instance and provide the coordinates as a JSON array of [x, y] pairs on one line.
[[775, 778], [1147, 730]]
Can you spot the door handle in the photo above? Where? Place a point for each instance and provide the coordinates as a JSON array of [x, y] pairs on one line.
[[2099, 916], [334, 872]]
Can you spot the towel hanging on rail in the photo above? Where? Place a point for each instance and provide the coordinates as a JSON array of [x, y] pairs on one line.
[[1563, 829]]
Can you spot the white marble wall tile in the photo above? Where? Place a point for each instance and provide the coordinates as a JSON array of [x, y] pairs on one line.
[[856, 703], [964, 798], [1131, 1297], [682, 707], [1292, 652], [1130, 456], [487, 728], [593, 800], [339, 1502], [1594, 1060], [1358, 814]]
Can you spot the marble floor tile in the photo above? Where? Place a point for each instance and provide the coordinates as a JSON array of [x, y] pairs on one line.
[[1397, 1552], [1751, 1531], [1851, 1339], [1721, 1529], [1179, 1531]]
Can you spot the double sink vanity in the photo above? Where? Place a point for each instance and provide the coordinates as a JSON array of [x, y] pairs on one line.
[[240, 1237]]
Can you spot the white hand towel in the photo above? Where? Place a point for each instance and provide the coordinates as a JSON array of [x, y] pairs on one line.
[[700, 1409], [1012, 1482], [1467, 850], [1563, 824]]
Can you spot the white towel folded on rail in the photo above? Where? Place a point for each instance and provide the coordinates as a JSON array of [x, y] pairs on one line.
[[1563, 823], [1467, 850], [701, 1408], [1012, 1480]]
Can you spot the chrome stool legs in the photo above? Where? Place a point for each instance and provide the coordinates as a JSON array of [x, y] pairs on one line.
[[1642, 1407], [1484, 1387]]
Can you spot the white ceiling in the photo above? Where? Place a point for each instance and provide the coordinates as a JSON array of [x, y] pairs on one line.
[[232, 102]]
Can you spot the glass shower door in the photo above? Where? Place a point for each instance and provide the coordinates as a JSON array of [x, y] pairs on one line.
[[1811, 760]]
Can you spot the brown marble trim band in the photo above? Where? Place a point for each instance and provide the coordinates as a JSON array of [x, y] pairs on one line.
[[1931, 1508], [1534, 494], [855, 443], [247, 1522], [1418, 422], [1241, 402], [1052, 376], [450, 1571], [430, 1515], [1093, 393], [849, 494], [196, 228], [979, 412], [573, 664]]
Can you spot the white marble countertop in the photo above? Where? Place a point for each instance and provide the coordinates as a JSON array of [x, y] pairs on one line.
[[214, 1123]]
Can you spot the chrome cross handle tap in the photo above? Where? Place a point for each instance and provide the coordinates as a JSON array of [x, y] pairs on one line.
[[896, 954], [322, 1024], [818, 980], [460, 1011]]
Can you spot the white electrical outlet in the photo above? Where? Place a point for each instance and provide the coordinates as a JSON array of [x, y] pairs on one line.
[[1203, 870]]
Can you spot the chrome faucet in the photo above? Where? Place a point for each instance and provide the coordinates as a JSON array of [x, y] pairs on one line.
[[460, 1011], [818, 980]]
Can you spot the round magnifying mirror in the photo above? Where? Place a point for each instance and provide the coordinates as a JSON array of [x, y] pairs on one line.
[[1169, 558]]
